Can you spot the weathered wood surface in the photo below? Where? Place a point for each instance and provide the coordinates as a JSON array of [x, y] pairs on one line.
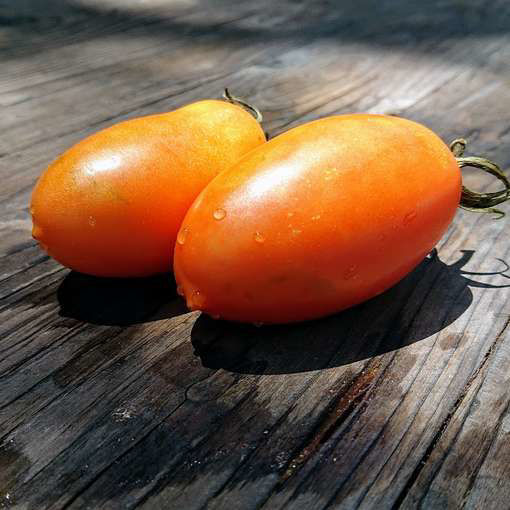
[[113, 396]]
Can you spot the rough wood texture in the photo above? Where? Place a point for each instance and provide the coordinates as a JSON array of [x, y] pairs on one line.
[[112, 396]]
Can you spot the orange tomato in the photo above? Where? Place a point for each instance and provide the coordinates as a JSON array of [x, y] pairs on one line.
[[112, 204], [318, 219]]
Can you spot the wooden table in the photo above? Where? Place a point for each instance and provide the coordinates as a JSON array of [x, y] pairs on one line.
[[112, 396]]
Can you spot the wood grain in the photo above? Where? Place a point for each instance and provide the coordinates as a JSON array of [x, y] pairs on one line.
[[113, 396]]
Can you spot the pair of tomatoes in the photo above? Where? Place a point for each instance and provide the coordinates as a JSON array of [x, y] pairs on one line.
[[318, 219]]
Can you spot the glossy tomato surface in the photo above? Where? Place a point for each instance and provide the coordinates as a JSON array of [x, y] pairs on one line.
[[112, 204], [318, 219]]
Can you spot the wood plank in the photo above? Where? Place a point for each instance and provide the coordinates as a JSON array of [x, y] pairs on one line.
[[113, 396]]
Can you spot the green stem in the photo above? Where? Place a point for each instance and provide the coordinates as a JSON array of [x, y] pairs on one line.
[[240, 102], [473, 200]]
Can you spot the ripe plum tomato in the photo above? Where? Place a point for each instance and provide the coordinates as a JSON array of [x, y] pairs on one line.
[[113, 203], [318, 219]]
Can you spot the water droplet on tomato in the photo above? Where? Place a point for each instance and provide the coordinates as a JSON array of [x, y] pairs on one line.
[[219, 214], [316, 217], [409, 217], [37, 232], [181, 236], [197, 301], [92, 221], [351, 272], [258, 237], [290, 214]]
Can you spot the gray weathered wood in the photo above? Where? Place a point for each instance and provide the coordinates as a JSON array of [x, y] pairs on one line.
[[113, 396]]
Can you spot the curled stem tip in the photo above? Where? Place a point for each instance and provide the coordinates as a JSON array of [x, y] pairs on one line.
[[240, 102], [474, 200]]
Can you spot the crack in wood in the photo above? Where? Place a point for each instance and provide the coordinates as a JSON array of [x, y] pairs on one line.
[[333, 418], [474, 476], [423, 460]]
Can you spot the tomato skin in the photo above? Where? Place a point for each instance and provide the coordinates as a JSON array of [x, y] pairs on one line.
[[318, 219], [112, 204]]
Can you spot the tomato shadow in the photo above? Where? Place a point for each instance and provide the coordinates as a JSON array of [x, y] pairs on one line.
[[428, 300], [119, 301]]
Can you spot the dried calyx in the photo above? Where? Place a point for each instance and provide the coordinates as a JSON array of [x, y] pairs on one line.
[[473, 200], [241, 102]]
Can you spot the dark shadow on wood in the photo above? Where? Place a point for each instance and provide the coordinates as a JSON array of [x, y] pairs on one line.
[[119, 301], [432, 297]]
